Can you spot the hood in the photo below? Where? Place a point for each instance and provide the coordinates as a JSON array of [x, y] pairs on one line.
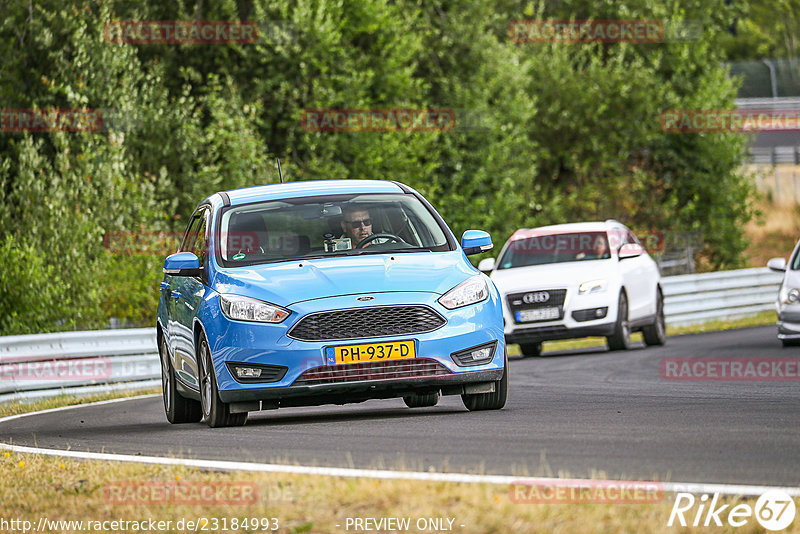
[[554, 275], [287, 283]]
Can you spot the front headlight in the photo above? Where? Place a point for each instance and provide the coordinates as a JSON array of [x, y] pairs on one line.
[[790, 295], [592, 286], [247, 309], [469, 291]]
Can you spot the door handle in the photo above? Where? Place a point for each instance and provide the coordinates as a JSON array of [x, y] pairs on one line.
[[164, 286], [176, 295]]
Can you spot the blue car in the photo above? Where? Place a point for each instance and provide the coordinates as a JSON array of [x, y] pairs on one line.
[[325, 292]]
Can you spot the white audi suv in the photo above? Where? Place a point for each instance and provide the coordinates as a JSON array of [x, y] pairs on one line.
[[577, 280]]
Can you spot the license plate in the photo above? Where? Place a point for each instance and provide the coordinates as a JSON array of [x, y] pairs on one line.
[[370, 352], [539, 314]]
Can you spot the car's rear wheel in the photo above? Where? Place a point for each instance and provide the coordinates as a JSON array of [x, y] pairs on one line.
[[621, 338], [530, 350], [422, 400], [177, 408], [490, 401], [656, 333], [216, 412]]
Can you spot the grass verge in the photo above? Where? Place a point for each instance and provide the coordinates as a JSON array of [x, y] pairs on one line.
[[68, 490]]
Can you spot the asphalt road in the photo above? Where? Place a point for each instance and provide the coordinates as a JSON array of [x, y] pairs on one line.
[[580, 413]]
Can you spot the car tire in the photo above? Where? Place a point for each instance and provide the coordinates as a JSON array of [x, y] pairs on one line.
[[216, 413], [790, 342], [656, 333], [530, 350], [621, 338], [178, 409], [422, 400], [490, 401]]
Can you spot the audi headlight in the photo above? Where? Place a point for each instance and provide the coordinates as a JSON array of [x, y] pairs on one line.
[[247, 309], [469, 291], [592, 286]]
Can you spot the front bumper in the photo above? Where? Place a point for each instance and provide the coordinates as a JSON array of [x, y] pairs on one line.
[[264, 344], [567, 327], [357, 391], [789, 323]]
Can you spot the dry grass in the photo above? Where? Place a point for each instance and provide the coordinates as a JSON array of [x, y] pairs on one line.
[[773, 234], [70, 490]]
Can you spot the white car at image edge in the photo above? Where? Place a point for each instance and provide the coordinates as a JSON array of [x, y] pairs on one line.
[[788, 304], [577, 280]]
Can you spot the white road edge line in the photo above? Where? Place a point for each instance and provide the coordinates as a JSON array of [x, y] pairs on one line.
[[222, 465]]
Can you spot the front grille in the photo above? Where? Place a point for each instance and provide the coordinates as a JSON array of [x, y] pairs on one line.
[[389, 370], [376, 321], [534, 300]]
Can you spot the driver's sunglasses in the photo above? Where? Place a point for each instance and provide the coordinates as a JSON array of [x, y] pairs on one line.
[[362, 222]]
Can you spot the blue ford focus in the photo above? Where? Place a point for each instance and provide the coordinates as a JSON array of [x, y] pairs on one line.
[[325, 292]]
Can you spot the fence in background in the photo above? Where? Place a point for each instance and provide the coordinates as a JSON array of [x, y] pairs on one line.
[[128, 359]]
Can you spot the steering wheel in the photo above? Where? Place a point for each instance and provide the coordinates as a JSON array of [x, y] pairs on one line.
[[373, 237]]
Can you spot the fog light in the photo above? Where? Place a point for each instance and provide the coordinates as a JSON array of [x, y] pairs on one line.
[[248, 372], [793, 296], [480, 355], [599, 312]]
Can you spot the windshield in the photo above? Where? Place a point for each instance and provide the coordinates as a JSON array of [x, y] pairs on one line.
[[555, 248], [338, 225]]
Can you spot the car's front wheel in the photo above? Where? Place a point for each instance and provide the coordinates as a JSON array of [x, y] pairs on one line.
[[656, 333], [621, 338], [177, 408], [490, 401], [530, 350], [422, 400], [216, 412]]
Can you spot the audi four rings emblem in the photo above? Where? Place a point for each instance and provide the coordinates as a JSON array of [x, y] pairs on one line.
[[362, 299], [538, 297]]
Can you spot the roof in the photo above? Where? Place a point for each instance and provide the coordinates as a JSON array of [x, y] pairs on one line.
[[569, 228], [309, 189]]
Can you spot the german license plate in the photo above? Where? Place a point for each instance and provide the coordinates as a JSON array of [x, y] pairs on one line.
[[539, 314], [370, 352]]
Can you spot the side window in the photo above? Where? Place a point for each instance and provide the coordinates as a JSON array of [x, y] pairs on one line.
[[632, 238], [191, 234], [200, 245]]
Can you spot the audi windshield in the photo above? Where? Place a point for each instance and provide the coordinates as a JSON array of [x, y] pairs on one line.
[[555, 248]]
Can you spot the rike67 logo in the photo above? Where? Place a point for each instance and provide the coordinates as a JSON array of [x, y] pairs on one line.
[[774, 510]]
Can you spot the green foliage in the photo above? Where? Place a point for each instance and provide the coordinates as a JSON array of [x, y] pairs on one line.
[[545, 133]]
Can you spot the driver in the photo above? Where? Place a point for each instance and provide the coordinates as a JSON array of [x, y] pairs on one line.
[[357, 225]]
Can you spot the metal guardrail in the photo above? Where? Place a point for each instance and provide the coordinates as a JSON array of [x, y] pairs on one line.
[[46, 365], [81, 363], [697, 298]]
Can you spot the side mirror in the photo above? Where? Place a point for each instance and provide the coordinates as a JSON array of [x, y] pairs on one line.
[[486, 265], [182, 264], [777, 264], [630, 250], [476, 241]]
